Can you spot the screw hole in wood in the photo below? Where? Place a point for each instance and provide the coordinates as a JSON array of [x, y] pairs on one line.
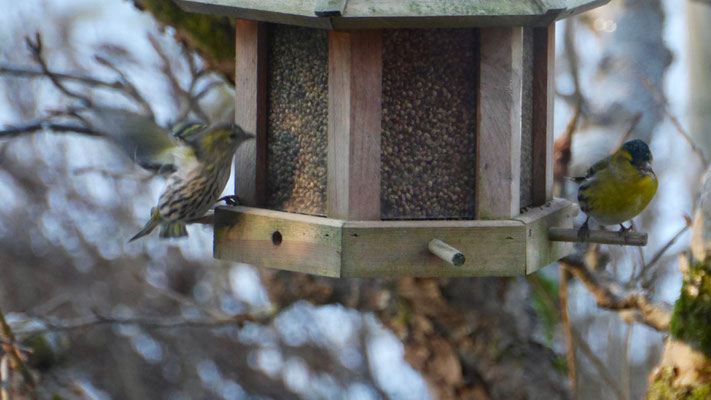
[[276, 238]]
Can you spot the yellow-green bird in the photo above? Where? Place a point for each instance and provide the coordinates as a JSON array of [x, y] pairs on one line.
[[203, 160], [618, 187]]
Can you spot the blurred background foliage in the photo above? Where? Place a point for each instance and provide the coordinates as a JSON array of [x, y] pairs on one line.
[[163, 320]]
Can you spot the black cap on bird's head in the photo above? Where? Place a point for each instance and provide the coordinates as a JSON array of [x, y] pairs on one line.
[[639, 154], [638, 150]]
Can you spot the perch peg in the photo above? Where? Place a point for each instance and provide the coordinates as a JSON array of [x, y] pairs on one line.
[[446, 252], [603, 237]]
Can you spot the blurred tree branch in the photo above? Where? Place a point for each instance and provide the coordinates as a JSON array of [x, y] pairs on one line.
[[611, 295], [37, 126], [600, 367], [145, 322], [659, 96], [35, 47], [13, 352], [190, 101], [123, 85]]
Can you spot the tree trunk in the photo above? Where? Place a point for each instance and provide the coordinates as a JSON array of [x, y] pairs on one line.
[[684, 372]]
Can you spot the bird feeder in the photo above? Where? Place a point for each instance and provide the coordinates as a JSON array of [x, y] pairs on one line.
[[394, 138]]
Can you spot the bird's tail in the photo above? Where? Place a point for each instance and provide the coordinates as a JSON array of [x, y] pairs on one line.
[[173, 230], [150, 225]]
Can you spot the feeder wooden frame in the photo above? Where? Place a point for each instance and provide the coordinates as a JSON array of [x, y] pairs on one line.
[[342, 248], [352, 241]]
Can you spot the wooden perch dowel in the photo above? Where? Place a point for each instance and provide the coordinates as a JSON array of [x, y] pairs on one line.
[[604, 237], [446, 252]]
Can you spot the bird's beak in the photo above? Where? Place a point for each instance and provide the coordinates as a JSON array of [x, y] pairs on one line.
[[250, 135], [646, 168]]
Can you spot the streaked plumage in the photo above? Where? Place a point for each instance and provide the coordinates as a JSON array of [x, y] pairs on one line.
[[199, 178], [618, 187]]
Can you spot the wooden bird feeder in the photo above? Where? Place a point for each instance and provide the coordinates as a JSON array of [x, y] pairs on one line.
[[395, 138]]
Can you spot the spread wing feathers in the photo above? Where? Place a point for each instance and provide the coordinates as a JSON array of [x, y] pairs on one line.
[[148, 144]]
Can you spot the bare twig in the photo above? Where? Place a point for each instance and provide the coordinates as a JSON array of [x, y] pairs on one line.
[[35, 126], [27, 72], [623, 139], [13, 352], [184, 300], [598, 364], [658, 255], [571, 54], [562, 145], [611, 295], [177, 89], [18, 346], [662, 99], [567, 331], [36, 50], [190, 101], [127, 86], [145, 322], [562, 153]]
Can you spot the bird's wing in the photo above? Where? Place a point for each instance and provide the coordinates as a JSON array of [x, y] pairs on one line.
[[190, 135], [148, 144], [189, 132], [597, 167]]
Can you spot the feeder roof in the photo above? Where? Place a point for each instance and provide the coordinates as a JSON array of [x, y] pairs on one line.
[[374, 14]]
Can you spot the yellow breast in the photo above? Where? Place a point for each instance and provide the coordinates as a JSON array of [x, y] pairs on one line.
[[616, 194]]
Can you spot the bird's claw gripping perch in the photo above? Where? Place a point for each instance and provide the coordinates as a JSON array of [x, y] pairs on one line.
[[231, 200], [584, 232], [623, 229]]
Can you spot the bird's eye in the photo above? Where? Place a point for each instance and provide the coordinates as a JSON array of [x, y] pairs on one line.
[[233, 136]]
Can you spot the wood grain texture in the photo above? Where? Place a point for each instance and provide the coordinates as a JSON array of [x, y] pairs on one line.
[[599, 236], [499, 118], [250, 110], [368, 14], [338, 248], [400, 248], [308, 244], [544, 95], [528, 101], [540, 251], [354, 125]]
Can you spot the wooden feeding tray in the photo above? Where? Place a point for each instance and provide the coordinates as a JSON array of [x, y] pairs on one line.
[[341, 248], [394, 135]]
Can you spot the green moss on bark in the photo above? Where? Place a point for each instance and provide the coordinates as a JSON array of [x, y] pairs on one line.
[[663, 388], [212, 36], [691, 321]]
